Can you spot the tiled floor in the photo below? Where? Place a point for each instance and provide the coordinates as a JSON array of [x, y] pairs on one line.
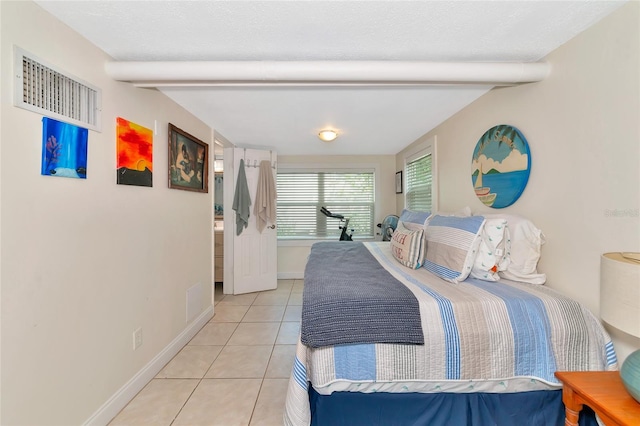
[[234, 371]]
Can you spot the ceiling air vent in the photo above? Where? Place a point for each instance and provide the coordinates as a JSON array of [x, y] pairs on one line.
[[42, 88]]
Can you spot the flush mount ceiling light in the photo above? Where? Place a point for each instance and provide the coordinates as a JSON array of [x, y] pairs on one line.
[[327, 135]]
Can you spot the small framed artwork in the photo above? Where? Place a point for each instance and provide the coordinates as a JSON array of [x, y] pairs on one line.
[[188, 161], [64, 149], [399, 182], [134, 145]]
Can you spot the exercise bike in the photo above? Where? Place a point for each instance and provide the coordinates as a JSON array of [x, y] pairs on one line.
[[344, 235]]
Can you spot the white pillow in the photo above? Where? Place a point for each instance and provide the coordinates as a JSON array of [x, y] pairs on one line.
[[463, 212], [492, 251], [526, 241], [408, 246]]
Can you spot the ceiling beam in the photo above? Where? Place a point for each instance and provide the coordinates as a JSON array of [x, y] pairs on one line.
[[334, 73]]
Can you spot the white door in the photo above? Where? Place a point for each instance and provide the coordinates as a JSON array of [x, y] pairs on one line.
[[255, 254]]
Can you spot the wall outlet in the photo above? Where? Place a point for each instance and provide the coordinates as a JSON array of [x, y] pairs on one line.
[[137, 338]]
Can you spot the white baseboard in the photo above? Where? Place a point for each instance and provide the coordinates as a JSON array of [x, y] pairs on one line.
[[121, 398], [290, 275]]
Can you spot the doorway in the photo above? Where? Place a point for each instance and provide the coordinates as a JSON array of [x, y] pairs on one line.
[[218, 213]]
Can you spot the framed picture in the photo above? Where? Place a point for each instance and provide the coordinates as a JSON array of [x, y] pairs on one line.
[[134, 146], [188, 161], [399, 182], [64, 149]]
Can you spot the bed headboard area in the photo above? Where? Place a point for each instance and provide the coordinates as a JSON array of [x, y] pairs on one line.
[[487, 247]]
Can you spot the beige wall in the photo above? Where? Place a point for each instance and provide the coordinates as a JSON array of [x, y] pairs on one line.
[[292, 256], [582, 127], [85, 262]]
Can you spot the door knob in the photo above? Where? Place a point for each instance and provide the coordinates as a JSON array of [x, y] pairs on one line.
[[273, 226]]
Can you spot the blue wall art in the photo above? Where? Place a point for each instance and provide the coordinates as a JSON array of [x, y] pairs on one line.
[[500, 166], [64, 149]]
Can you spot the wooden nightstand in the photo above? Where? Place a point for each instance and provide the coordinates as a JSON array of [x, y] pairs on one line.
[[603, 391]]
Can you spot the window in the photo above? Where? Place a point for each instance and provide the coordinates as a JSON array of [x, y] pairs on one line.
[[419, 183], [301, 194]]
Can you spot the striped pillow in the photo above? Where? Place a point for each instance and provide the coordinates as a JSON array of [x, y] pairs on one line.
[[452, 244], [407, 246], [414, 219]]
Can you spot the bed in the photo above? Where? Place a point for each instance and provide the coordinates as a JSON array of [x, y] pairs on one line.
[[389, 340]]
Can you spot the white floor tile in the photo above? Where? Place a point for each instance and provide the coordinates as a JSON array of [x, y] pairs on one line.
[[214, 334], [254, 333], [269, 409], [281, 362], [240, 299], [267, 313], [229, 313], [272, 299], [241, 362], [192, 362], [223, 402], [288, 333], [234, 372], [293, 313], [157, 404], [295, 299]]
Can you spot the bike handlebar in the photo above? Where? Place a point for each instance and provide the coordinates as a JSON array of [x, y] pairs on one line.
[[326, 212]]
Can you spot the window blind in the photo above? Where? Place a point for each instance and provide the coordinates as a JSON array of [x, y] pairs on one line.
[[419, 184], [302, 194]]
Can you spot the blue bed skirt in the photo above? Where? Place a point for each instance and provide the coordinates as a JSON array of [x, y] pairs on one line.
[[536, 408]]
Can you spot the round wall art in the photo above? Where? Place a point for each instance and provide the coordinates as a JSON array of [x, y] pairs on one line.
[[500, 166]]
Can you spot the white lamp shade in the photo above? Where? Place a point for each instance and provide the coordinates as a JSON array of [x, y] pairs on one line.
[[620, 292], [327, 135]]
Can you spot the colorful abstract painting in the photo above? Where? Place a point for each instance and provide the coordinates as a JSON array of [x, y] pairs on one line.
[[500, 166], [135, 154], [64, 149]]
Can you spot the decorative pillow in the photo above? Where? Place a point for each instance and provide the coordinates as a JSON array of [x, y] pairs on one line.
[[452, 244], [407, 246], [414, 220], [492, 251], [525, 241], [463, 212]]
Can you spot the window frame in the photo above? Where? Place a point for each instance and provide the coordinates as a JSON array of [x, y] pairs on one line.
[[333, 168], [428, 147]]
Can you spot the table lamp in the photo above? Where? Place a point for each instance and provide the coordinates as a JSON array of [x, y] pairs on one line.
[[620, 307]]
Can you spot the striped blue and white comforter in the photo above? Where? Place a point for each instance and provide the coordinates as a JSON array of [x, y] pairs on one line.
[[480, 336]]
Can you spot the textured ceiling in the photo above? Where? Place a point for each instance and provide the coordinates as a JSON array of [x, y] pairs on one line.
[[370, 120]]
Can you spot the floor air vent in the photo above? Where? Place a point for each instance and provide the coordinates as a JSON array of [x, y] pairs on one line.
[[41, 88]]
